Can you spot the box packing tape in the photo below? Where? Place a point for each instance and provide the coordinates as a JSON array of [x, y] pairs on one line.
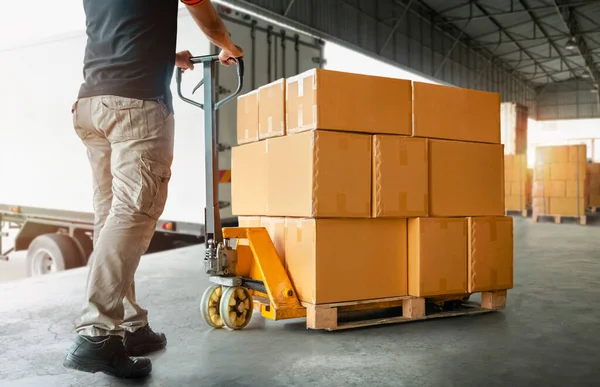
[[403, 205], [299, 79], [270, 124], [299, 231], [301, 88]]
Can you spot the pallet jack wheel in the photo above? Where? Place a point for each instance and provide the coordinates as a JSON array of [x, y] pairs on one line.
[[209, 306], [236, 307]]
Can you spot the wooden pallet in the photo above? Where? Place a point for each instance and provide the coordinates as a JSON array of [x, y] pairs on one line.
[[331, 316], [523, 213], [558, 218]]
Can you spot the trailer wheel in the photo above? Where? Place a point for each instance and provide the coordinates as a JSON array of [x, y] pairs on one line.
[[50, 253], [85, 245]]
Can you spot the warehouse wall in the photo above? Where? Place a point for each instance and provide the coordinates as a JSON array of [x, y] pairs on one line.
[[565, 132], [341, 58], [415, 41], [568, 100]]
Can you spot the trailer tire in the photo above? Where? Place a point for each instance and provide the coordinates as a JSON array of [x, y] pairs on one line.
[[85, 245], [49, 253]]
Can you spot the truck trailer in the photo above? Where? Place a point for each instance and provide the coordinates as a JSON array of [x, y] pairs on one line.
[[45, 177]]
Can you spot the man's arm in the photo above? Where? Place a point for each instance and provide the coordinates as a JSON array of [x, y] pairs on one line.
[[207, 18]]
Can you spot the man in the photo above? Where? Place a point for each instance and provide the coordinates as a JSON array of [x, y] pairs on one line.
[[124, 116]]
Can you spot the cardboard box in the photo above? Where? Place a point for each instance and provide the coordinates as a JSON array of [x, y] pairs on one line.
[[465, 179], [337, 260], [529, 185], [247, 117], [249, 179], [515, 203], [276, 229], [594, 200], [515, 168], [567, 206], [576, 189], [593, 168], [578, 153], [320, 174], [540, 205], [594, 182], [552, 154], [541, 172], [437, 256], [556, 188], [271, 109], [454, 113], [538, 189], [490, 256], [567, 171], [400, 176], [518, 189], [247, 221], [335, 100]]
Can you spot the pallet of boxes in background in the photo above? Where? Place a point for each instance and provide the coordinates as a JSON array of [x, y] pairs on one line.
[[593, 176], [518, 181], [381, 209], [560, 183]]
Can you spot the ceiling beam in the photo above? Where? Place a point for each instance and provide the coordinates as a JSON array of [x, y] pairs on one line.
[[568, 17], [511, 37], [509, 11], [557, 36], [525, 4], [429, 15]]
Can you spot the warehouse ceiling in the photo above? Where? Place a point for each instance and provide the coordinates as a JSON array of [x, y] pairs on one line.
[[543, 54], [545, 41]]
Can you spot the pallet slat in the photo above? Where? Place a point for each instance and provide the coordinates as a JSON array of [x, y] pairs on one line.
[[327, 316], [558, 218]]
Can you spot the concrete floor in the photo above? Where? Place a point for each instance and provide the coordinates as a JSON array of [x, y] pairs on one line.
[[547, 335]]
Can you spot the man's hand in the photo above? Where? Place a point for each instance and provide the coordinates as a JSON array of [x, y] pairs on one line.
[[182, 60], [209, 21], [227, 57]]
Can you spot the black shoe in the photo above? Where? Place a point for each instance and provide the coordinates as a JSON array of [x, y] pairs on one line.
[[144, 341], [105, 354]]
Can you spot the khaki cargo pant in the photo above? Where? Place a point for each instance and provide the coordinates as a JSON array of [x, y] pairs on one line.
[[130, 148]]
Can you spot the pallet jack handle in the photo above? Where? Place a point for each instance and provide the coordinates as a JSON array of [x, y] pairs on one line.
[[212, 216]]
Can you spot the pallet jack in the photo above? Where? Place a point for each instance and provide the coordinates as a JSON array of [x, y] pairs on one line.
[[251, 275]]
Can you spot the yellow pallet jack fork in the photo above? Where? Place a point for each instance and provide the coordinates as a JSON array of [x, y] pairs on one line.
[[251, 275]]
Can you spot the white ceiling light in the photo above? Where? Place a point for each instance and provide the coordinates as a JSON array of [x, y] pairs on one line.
[[571, 44]]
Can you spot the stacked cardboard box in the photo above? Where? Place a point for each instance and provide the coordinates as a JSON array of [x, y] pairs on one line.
[[560, 183], [517, 183], [593, 176], [377, 187]]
